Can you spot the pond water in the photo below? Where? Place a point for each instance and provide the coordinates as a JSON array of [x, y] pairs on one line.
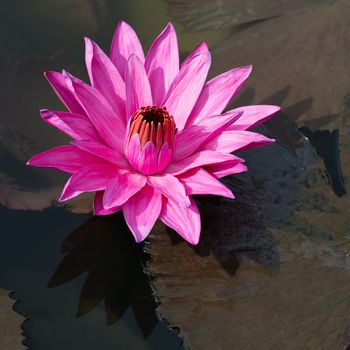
[[273, 263]]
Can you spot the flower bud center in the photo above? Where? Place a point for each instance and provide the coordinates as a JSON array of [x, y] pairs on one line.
[[153, 124]]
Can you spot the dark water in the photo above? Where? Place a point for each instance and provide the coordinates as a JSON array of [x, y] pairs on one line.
[[80, 280]]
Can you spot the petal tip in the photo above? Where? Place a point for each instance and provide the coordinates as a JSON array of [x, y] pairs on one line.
[[48, 74], [193, 241], [31, 161], [122, 23], [170, 27], [133, 57], [45, 113], [62, 198], [203, 45], [89, 43], [139, 239]]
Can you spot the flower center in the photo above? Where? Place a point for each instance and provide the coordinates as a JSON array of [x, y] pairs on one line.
[[153, 124]]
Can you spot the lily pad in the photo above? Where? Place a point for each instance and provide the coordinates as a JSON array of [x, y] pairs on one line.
[[10, 324], [303, 49], [308, 59], [272, 267]]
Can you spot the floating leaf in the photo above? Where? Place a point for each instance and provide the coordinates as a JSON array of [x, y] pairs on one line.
[[271, 265], [309, 56], [10, 324], [305, 51]]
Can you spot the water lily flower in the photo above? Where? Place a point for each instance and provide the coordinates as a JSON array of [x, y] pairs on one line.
[[149, 133]]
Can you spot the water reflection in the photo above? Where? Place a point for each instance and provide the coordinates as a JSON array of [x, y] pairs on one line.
[[98, 249], [104, 248]]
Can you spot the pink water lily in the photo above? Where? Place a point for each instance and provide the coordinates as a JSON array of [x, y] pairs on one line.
[[149, 133]]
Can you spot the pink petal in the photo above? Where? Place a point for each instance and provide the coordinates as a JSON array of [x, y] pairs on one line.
[[110, 126], [185, 221], [218, 92], [164, 157], [162, 63], [226, 168], [102, 151], [98, 208], [253, 116], [170, 187], [236, 140], [69, 192], [199, 181], [53, 119], [149, 159], [201, 48], [141, 211], [186, 87], [192, 137], [201, 158], [121, 188], [124, 44], [144, 160], [133, 151], [105, 77], [58, 83], [77, 126], [138, 89], [64, 158], [90, 178]]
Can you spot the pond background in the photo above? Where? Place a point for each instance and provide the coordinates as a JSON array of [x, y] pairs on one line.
[[283, 244]]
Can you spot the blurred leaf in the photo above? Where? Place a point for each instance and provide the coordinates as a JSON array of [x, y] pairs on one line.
[[199, 15], [39, 27]]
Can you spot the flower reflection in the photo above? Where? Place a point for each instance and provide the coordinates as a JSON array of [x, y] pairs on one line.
[[103, 248]]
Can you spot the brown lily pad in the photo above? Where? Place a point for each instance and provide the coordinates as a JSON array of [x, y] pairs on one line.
[[303, 50], [10, 324], [308, 59], [272, 268]]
